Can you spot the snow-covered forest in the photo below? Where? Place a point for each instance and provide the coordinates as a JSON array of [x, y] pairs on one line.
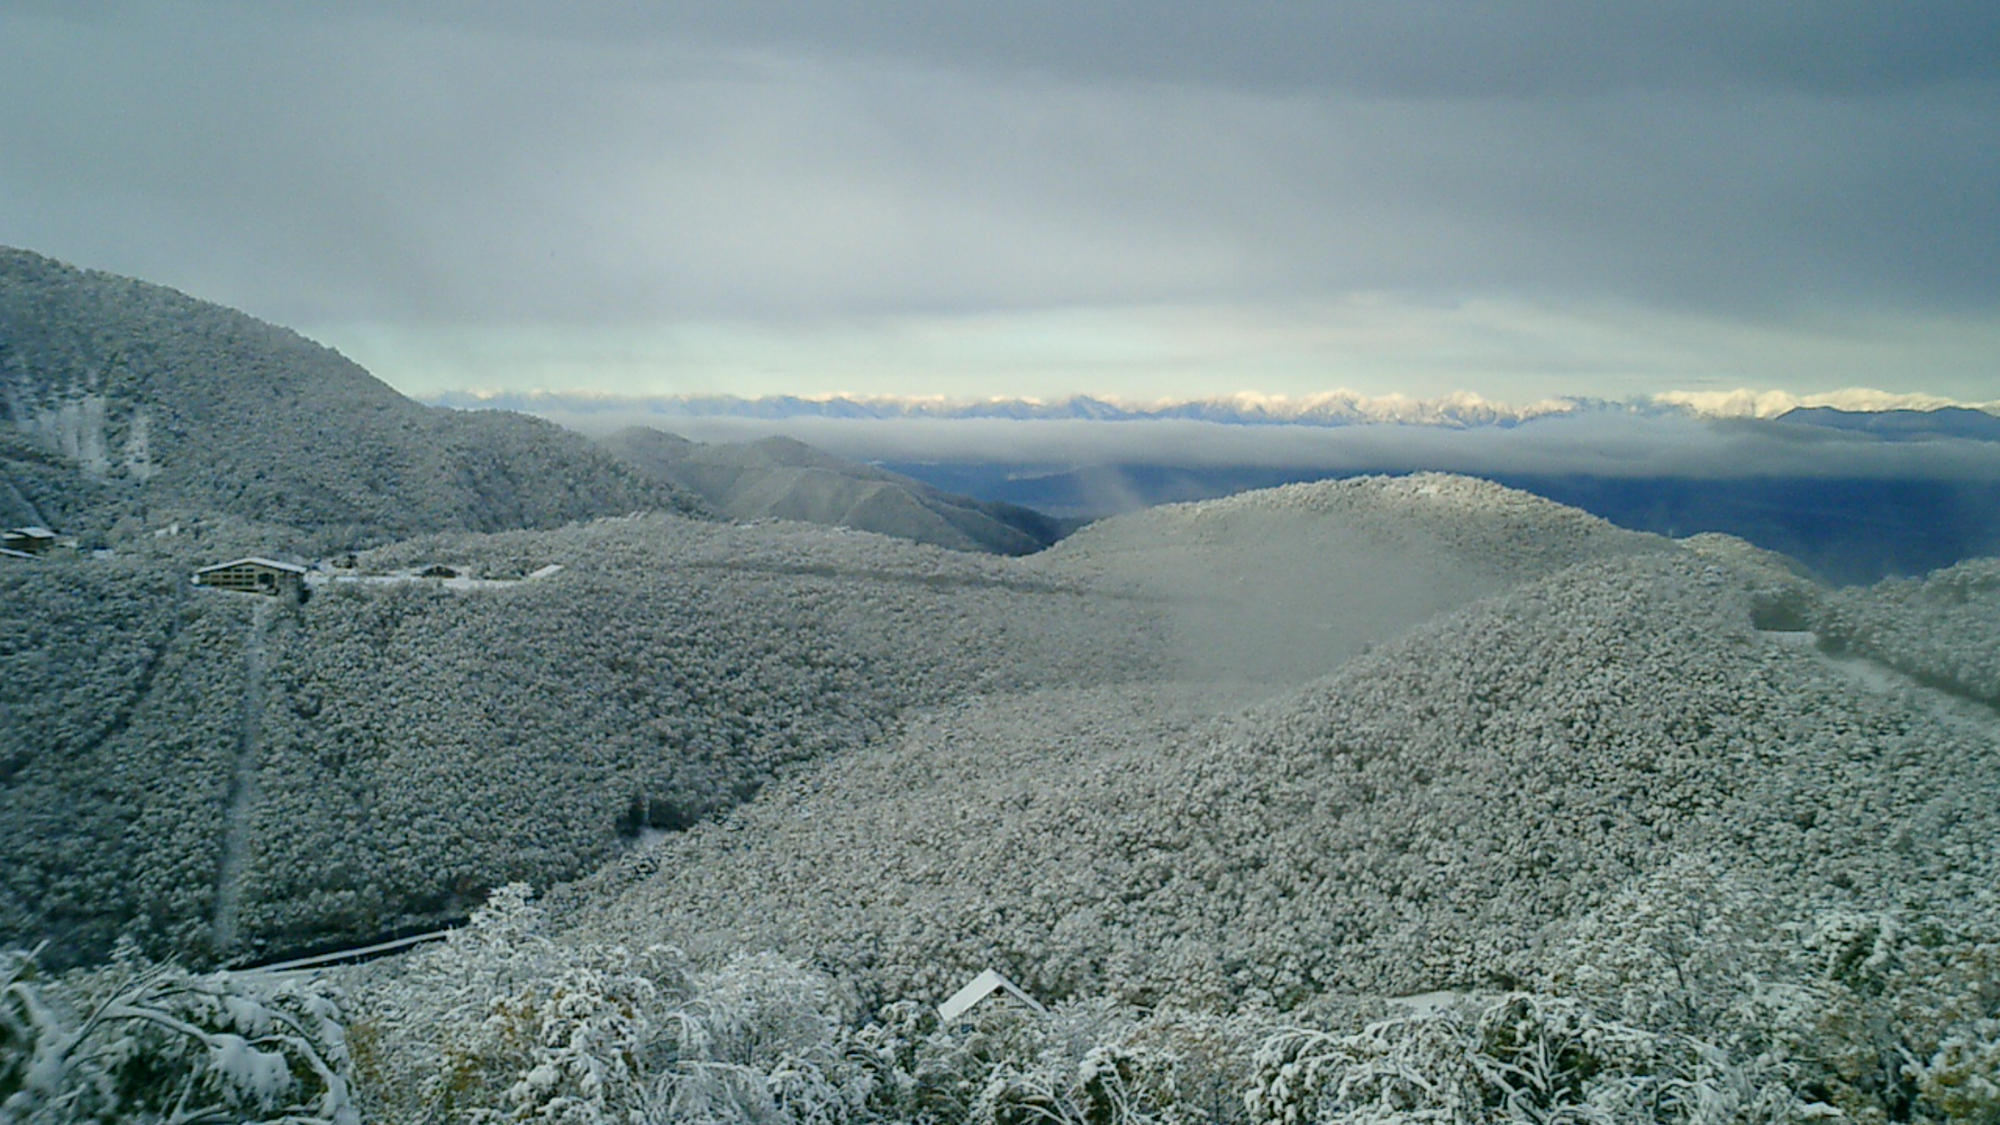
[[196, 410], [1411, 799], [1653, 831]]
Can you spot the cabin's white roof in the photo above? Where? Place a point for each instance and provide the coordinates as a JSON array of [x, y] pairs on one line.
[[979, 988], [289, 568], [33, 532]]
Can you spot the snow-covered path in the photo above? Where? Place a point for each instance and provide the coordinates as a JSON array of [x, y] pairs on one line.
[[242, 782], [1865, 672]]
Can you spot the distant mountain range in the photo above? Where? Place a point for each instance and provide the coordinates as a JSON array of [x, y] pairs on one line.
[[1460, 410], [1961, 422], [1858, 485]]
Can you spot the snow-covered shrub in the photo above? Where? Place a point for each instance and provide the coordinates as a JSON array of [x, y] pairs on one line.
[[1068, 1065], [1520, 1057], [1909, 1027], [1691, 949], [504, 1022], [501, 1023], [1870, 1015], [154, 1043], [763, 1040], [1962, 1078], [1084, 1062]]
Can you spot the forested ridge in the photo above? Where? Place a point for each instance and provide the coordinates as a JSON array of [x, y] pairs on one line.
[[1423, 818], [1670, 831], [779, 478], [418, 745], [1410, 799], [195, 409]]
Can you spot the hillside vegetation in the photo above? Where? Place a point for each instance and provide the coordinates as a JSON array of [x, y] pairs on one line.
[[1636, 839], [1409, 799], [407, 746], [1640, 818], [779, 478], [126, 405], [1421, 819]]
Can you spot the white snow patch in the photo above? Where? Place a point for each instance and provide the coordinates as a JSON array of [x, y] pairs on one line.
[[1425, 1003]]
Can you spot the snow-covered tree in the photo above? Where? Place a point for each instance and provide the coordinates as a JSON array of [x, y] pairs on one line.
[[138, 1042], [504, 1022]]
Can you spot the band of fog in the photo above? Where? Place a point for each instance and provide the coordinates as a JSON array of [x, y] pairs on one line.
[[1592, 443]]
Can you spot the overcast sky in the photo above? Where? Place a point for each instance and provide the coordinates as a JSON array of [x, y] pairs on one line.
[[1521, 199]]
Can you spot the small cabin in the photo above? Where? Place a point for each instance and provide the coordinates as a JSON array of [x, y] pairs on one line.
[[28, 540], [980, 988], [255, 576]]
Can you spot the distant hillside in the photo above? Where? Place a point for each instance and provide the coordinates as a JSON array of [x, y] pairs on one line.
[[123, 401], [1848, 530], [224, 775], [1282, 585], [1901, 425], [1441, 813], [786, 479]]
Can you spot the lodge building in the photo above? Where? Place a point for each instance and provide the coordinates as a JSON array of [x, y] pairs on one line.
[[27, 540], [255, 576]]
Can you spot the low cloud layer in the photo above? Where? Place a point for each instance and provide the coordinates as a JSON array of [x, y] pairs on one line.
[[1592, 443]]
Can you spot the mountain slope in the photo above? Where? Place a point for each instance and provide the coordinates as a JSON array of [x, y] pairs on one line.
[[1430, 816], [404, 745], [157, 405], [785, 479], [1284, 584], [186, 765]]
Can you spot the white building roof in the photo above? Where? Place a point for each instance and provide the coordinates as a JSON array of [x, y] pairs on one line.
[[289, 568], [33, 532], [979, 988]]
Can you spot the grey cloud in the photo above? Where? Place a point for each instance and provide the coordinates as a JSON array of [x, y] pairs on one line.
[[790, 161], [1413, 48]]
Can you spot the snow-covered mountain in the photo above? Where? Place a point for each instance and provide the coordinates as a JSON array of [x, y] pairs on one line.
[[1432, 814], [125, 405], [1654, 829], [1459, 410], [780, 478]]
